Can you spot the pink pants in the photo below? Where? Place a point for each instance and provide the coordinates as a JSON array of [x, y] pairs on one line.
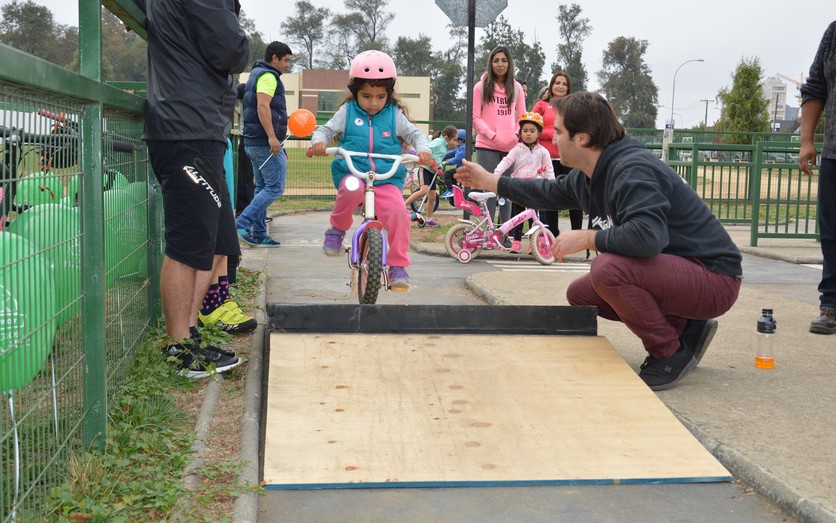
[[654, 296], [390, 210]]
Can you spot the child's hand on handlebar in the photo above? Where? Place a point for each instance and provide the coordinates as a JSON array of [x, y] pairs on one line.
[[318, 148], [425, 158]]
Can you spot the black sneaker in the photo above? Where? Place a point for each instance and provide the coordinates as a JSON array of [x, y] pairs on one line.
[[197, 362], [195, 335], [697, 334], [665, 373]]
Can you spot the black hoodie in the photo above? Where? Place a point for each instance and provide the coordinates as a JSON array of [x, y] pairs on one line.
[[642, 206]]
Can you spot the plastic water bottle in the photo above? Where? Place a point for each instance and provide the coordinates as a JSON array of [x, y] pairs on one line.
[[765, 349]]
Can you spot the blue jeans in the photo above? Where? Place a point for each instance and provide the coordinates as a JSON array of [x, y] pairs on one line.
[[827, 231], [269, 173]]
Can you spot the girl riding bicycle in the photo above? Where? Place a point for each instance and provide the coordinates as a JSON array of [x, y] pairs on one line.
[[372, 119], [530, 160]]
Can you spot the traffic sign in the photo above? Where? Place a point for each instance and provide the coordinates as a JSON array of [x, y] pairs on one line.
[[486, 11]]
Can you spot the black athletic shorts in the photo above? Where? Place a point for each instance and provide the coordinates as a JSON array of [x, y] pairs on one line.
[[428, 177], [198, 215]]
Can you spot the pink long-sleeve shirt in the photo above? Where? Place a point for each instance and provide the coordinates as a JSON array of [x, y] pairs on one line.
[[528, 162]]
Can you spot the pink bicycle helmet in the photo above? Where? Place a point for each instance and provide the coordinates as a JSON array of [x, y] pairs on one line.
[[372, 65]]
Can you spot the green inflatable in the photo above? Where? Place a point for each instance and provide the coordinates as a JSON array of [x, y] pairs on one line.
[[111, 178], [27, 308], [126, 231], [53, 228], [39, 188]]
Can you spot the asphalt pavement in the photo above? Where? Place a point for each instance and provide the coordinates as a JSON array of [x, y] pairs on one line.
[[773, 429]]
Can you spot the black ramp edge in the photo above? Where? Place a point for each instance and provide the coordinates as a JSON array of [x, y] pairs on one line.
[[451, 319]]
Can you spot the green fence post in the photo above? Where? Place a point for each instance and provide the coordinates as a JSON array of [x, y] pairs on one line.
[[92, 229], [755, 192], [155, 258]]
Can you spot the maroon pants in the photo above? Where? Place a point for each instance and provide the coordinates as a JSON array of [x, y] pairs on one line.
[[654, 297]]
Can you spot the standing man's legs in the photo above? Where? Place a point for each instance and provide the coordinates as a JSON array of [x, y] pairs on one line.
[[826, 322], [270, 173], [200, 230]]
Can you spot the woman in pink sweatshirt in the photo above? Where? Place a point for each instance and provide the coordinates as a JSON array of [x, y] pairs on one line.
[[498, 102]]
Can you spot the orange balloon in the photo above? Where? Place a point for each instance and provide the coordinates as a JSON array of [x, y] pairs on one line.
[[301, 122]]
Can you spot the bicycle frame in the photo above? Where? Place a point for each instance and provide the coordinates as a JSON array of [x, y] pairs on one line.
[[368, 252], [484, 233]]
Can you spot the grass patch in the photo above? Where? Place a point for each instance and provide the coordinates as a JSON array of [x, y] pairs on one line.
[[302, 203], [138, 477]]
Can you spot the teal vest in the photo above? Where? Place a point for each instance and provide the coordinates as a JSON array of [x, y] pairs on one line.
[[377, 134]]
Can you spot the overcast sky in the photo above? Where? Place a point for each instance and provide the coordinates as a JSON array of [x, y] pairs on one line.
[[783, 35]]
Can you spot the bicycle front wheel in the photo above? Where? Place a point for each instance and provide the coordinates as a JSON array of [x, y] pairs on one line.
[[371, 266], [542, 242], [454, 241]]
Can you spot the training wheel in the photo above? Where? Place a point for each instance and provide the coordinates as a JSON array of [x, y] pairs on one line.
[[464, 256]]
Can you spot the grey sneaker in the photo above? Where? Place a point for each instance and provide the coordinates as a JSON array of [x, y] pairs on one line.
[[825, 323], [333, 244]]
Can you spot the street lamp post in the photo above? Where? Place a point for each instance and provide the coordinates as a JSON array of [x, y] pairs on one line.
[[673, 91], [667, 136]]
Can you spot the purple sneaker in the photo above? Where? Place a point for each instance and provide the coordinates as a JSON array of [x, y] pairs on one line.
[[398, 279], [432, 223], [333, 244]]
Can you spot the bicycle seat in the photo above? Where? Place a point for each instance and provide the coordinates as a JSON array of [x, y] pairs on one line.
[[481, 196]]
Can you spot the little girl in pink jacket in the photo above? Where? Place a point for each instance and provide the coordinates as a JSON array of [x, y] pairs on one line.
[[530, 160]]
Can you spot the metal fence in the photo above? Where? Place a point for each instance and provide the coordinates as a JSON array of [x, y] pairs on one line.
[[760, 185], [78, 292]]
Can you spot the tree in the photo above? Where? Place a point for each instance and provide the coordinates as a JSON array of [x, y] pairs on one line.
[[414, 57], [744, 107], [573, 30], [626, 82], [257, 43], [307, 29], [124, 54], [448, 99], [31, 28], [361, 29], [528, 59]]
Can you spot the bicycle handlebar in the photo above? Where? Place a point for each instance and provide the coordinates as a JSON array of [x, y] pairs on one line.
[[397, 160], [59, 140]]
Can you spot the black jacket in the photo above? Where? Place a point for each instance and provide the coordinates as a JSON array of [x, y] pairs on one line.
[[194, 48], [641, 205]]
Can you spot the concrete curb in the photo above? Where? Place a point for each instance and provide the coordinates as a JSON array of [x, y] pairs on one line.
[[211, 399], [765, 253], [762, 480], [245, 508]]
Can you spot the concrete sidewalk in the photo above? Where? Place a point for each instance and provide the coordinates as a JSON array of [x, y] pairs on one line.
[[772, 428]]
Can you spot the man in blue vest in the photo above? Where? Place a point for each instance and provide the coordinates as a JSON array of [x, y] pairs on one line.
[[265, 128]]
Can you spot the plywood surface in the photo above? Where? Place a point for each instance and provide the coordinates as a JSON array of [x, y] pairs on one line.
[[349, 410]]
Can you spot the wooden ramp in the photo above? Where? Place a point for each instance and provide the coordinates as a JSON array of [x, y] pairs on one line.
[[424, 410]]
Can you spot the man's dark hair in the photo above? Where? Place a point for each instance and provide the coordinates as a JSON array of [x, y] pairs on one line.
[[590, 113], [279, 49]]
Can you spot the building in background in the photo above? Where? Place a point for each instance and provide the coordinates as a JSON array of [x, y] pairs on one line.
[[775, 91]]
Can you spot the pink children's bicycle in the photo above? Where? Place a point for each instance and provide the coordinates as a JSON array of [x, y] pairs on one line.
[[465, 240]]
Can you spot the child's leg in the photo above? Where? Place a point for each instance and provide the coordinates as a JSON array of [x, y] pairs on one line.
[[516, 232], [417, 194], [342, 217], [394, 216]]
